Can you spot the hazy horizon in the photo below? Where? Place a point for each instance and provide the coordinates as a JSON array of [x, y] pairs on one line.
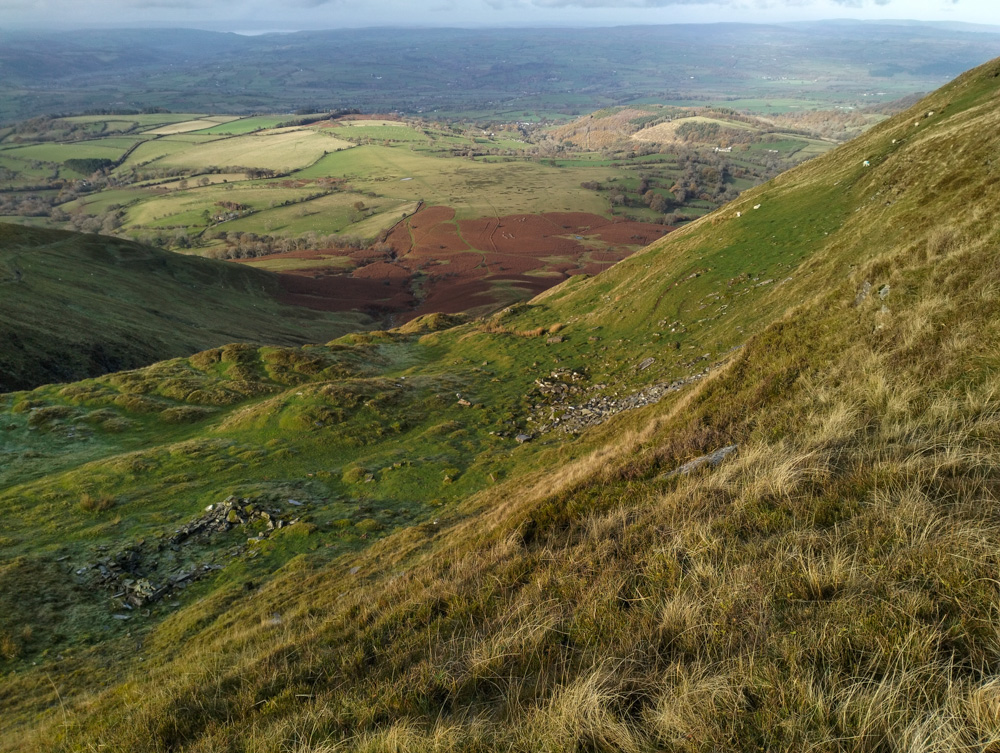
[[253, 17]]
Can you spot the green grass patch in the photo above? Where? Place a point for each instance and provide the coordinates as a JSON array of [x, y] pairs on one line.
[[246, 125], [283, 152]]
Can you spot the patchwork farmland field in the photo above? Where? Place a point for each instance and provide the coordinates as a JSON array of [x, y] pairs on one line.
[[240, 126], [59, 153], [284, 151], [474, 188], [382, 213], [197, 124]]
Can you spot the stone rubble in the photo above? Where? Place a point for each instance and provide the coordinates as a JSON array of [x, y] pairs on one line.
[[132, 574], [221, 518], [597, 410]]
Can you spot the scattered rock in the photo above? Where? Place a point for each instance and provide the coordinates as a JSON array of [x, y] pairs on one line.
[[883, 292], [597, 410], [712, 459], [220, 518], [866, 288], [646, 363], [129, 573], [555, 339], [522, 438]]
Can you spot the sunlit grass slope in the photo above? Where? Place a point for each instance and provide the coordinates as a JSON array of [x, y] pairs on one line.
[[831, 585], [74, 305]]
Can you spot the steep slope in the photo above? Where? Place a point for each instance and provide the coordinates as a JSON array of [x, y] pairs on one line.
[[74, 305], [829, 584]]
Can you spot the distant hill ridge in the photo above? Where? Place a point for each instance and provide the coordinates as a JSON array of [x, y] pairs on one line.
[[490, 69]]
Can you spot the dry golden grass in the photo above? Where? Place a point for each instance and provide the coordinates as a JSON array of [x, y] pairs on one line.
[[96, 503]]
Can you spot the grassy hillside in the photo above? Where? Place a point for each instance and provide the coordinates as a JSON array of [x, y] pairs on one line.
[[77, 305], [492, 536]]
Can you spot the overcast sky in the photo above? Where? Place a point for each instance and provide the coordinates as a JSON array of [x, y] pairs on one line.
[[288, 15]]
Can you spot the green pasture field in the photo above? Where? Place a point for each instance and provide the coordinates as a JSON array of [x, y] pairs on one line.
[[153, 119], [118, 141], [793, 146], [324, 215], [212, 178], [246, 125], [495, 159], [192, 138], [190, 125], [286, 264], [96, 203], [188, 206], [808, 148], [395, 132], [63, 152], [152, 150], [443, 141], [391, 214], [26, 173], [287, 150], [473, 189], [17, 219], [367, 123]]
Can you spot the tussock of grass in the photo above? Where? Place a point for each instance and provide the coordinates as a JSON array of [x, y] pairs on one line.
[[98, 503]]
